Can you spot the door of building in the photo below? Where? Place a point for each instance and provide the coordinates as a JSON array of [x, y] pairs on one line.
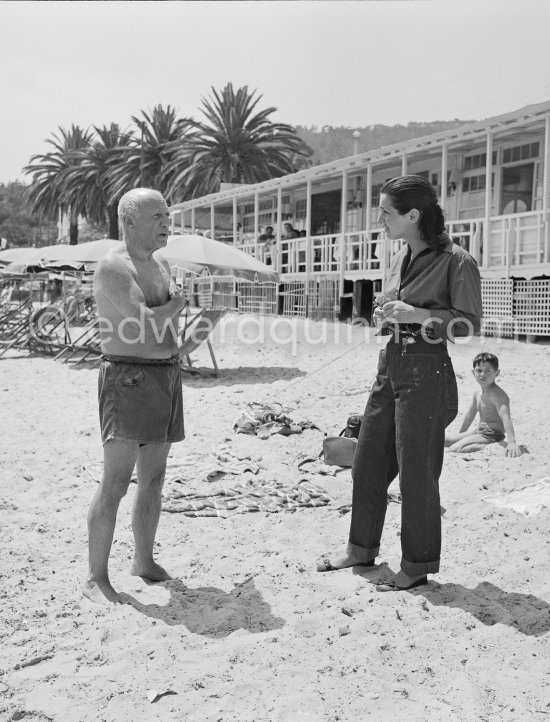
[[326, 209], [517, 188]]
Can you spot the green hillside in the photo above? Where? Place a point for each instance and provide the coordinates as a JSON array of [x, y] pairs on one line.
[[328, 143]]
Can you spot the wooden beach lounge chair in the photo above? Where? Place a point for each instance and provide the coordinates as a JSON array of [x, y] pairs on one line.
[[14, 326], [197, 332], [87, 344], [48, 329]]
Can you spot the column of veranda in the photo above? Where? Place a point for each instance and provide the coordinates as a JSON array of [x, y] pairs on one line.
[[488, 200], [546, 190]]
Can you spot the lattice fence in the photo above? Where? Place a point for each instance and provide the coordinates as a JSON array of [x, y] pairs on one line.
[[323, 299], [294, 298], [512, 307], [216, 292], [259, 298], [532, 307], [186, 281], [497, 296]]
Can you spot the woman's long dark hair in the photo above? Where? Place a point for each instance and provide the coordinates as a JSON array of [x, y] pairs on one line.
[[413, 191]]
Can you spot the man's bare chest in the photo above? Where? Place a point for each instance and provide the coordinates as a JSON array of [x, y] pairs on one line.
[[153, 280]]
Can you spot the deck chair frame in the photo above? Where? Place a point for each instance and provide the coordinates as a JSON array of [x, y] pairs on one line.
[[197, 331]]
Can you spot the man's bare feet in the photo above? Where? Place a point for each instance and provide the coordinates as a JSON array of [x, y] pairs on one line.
[[343, 563], [402, 582], [100, 591], [151, 571]]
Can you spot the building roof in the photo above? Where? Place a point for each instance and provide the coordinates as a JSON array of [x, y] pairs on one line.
[[466, 133]]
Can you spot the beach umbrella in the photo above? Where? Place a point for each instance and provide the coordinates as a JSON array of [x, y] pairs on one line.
[[197, 253], [28, 260], [16, 255], [80, 254]]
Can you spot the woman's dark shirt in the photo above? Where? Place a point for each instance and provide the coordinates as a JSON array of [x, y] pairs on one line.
[[444, 280]]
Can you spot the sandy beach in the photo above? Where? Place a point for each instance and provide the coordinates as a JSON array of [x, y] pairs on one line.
[[247, 629]]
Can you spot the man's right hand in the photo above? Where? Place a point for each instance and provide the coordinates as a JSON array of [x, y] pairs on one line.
[[178, 300]]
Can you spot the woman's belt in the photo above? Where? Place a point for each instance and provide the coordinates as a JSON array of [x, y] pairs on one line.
[[407, 330]]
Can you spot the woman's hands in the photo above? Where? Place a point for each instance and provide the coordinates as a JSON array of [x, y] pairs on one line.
[[398, 312]]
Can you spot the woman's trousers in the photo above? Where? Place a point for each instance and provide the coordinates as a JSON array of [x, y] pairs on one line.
[[413, 399]]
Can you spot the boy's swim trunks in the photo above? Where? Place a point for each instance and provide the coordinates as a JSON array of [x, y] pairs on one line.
[[489, 433]]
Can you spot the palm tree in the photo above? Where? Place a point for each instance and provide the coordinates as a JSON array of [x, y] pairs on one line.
[[89, 183], [235, 144], [48, 191], [143, 161]]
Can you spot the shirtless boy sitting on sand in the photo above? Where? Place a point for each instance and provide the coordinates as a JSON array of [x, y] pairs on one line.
[[493, 406]]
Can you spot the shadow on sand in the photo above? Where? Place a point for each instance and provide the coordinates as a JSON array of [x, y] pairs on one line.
[[486, 602], [493, 605], [210, 611], [241, 375]]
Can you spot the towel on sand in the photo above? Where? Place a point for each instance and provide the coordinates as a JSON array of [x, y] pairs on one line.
[[255, 495], [265, 420], [528, 500], [201, 467]]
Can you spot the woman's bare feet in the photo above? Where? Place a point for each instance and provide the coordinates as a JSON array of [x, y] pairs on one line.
[[344, 562], [100, 591], [151, 571], [402, 582]]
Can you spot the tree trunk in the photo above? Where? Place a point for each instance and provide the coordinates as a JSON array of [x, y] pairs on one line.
[[113, 222], [73, 228], [73, 232]]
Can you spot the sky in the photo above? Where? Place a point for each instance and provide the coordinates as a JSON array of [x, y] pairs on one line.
[[321, 62]]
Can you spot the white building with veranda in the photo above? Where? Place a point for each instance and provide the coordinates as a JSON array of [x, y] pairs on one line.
[[493, 181]]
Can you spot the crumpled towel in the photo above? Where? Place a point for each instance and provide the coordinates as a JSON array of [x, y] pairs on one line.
[[529, 500], [207, 468], [316, 466], [265, 420], [256, 495]]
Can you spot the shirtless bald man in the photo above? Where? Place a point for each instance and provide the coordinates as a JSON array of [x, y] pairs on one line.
[[140, 394]]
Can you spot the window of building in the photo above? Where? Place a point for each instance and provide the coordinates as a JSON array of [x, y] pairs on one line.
[[300, 210], [474, 183], [471, 162], [520, 152], [248, 224], [375, 193]]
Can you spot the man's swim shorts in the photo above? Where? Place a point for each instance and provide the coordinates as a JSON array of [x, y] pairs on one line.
[[140, 399], [489, 433]]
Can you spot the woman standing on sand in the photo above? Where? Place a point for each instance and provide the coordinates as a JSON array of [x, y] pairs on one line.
[[437, 291]]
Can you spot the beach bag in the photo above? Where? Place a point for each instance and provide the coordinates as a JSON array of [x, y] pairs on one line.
[[339, 450], [353, 426]]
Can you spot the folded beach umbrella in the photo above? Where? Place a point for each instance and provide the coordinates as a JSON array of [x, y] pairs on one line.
[[197, 253]]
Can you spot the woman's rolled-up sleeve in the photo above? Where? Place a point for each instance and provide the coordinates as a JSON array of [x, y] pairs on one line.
[[463, 318]]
